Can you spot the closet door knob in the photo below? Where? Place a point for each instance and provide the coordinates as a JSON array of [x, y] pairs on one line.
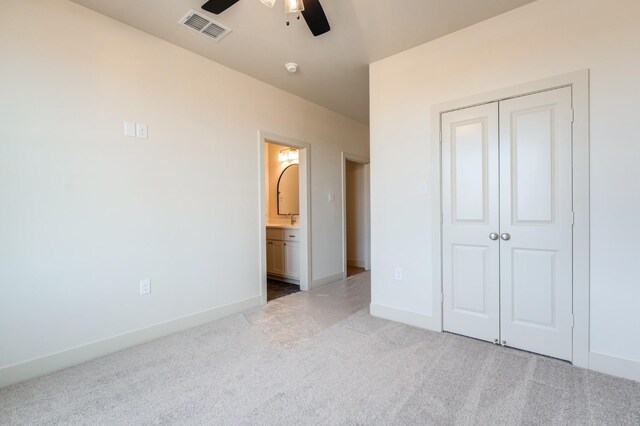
[[493, 236], [505, 236]]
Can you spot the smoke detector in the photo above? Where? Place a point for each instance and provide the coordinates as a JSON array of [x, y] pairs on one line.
[[292, 67]]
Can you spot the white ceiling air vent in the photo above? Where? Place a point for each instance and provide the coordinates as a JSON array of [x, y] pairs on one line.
[[204, 25]]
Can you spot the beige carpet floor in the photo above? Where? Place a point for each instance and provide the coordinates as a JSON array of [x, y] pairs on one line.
[[318, 358]]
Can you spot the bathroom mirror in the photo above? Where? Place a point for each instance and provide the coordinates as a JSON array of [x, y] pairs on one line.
[[288, 194]]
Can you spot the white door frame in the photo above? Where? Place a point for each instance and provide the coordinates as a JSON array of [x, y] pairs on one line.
[[304, 150], [365, 161], [579, 82]]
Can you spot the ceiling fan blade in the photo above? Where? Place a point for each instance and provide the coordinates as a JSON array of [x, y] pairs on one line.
[[218, 6], [316, 19]]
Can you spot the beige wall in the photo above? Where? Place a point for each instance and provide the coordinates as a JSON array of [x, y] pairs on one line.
[[86, 212], [544, 39], [355, 214]]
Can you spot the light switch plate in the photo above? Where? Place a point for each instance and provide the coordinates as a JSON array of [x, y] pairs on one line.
[[141, 131], [130, 129], [145, 286], [422, 189]]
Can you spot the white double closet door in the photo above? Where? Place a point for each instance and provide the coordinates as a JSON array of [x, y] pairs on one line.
[[508, 222]]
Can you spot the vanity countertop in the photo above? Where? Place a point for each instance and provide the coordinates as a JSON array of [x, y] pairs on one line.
[[283, 226]]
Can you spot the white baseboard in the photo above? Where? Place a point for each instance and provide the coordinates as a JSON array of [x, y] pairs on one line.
[[615, 366], [329, 279], [405, 317], [49, 363], [356, 263]]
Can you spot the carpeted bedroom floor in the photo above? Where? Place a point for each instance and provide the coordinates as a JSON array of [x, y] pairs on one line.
[[319, 358]]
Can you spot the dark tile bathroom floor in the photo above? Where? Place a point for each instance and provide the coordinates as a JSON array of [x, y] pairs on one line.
[[277, 289]]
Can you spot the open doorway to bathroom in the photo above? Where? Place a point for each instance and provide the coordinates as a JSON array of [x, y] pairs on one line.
[[282, 182], [284, 217], [356, 215]]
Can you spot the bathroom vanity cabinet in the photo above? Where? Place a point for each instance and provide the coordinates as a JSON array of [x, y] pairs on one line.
[[283, 252]]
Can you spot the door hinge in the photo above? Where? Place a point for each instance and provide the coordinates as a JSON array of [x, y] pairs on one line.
[[441, 297], [573, 115], [441, 217], [573, 321], [573, 218], [440, 136]]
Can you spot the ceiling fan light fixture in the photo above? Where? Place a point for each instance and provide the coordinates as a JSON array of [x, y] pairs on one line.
[[269, 3], [293, 6]]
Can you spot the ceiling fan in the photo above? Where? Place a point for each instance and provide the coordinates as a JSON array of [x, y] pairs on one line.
[[311, 10]]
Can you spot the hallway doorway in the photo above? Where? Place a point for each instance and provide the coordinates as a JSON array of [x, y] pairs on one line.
[[356, 214]]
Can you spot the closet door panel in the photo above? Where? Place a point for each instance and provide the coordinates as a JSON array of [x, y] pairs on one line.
[[470, 214], [536, 223]]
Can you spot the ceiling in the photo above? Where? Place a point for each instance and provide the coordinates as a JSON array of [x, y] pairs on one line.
[[334, 68]]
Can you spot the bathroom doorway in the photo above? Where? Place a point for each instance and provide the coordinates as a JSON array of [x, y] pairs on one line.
[[284, 218], [355, 215]]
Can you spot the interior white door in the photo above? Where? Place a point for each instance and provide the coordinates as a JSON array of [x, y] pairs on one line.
[[536, 222], [470, 204]]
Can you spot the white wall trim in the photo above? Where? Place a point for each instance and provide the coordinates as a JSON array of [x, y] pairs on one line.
[[579, 82], [615, 366], [329, 279], [68, 358], [365, 161], [405, 317], [367, 216], [305, 209]]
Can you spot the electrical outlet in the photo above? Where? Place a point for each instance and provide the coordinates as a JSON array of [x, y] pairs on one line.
[[141, 131], [398, 274], [145, 286]]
